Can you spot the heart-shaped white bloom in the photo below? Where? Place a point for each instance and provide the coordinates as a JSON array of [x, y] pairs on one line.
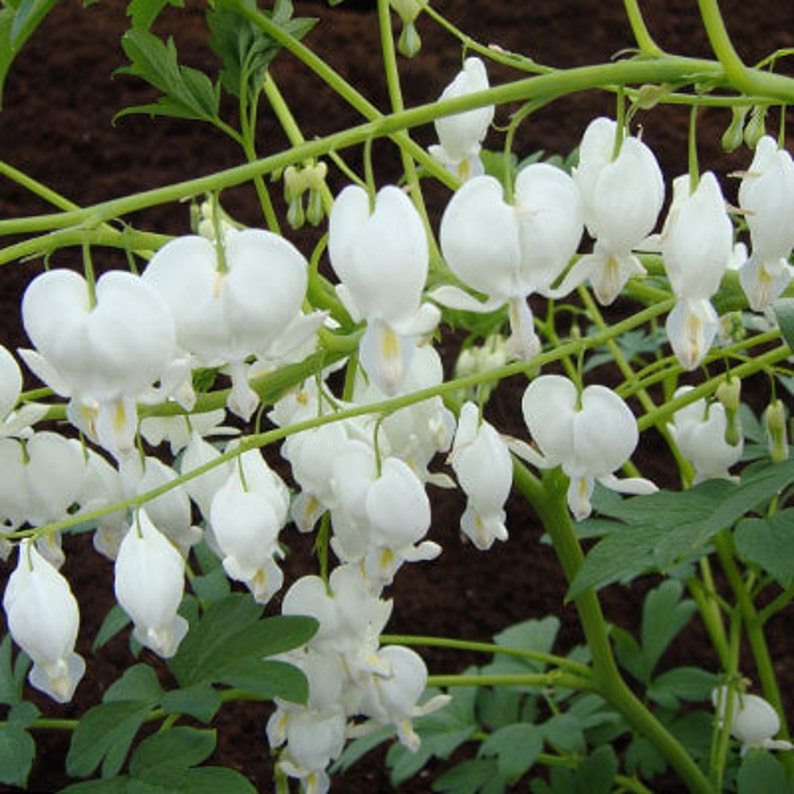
[[697, 245], [246, 520], [461, 134], [226, 315], [699, 432], [590, 435], [766, 196], [754, 721], [482, 464], [381, 258], [44, 619], [149, 583], [509, 251], [622, 198], [116, 348]]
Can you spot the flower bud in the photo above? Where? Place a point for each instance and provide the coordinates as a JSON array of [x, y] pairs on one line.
[[729, 394], [294, 188], [776, 435], [315, 180], [734, 135], [409, 42], [755, 128]]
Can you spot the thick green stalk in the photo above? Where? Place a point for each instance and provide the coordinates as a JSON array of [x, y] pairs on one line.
[[641, 35], [548, 500], [542, 680]]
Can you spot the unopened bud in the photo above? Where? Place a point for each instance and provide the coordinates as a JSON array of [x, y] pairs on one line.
[[732, 328], [409, 42], [733, 136], [729, 393], [776, 434], [315, 180], [756, 128], [294, 188]]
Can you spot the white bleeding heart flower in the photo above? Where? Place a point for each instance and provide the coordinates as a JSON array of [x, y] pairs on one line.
[[461, 134], [12, 422], [622, 198], [754, 721], [149, 580], [392, 696], [228, 308], [177, 430], [766, 197], [203, 487], [699, 431], [590, 435], [103, 355], [102, 486], [697, 245], [246, 520], [44, 619], [509, 252], [481, 461], [381, 257]]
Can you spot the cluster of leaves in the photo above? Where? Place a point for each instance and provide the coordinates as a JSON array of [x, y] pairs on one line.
[[228, 647]]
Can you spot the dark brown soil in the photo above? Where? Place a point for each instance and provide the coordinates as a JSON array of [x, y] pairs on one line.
[[56, 127]]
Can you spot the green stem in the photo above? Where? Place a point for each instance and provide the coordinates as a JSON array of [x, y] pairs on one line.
[[580, 670], [641, 35], [753, 627], [542, 680], [548, 500], [738, 74]]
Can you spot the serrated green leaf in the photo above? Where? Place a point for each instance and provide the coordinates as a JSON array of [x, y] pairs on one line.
[[470, 777], [17, 751], [530, 635], [139, 683], [564, 732], [115, 621], [499, 706], [358, 748], [201, 701], [784, 312], [628, 652], [144, 12], [188, 93], [682, 683], [245, 49], [769, 544], [666, 529], [664, 615], [167, 755], [643, 759], [10, 687], [231, 633], [517, 747], [268, 679], [595, 774], [103, 736], [211, 587], [762, 772], [18, 22]]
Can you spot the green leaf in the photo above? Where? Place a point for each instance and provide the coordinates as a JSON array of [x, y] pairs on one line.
[[213, 779], [664, 615], [201, 701], [530, 635], [441, 732], [564, 732], [230, 633], [769, 544], [358, 748], [470, 777], [114, 785], [17, 751], [644, 759], [18, 22], [212, 587], [267, 679], [187, 93], [115, 621], [596, 773], [517, 747], [139, 683], [11, 682], [784, 311], [245, 49], [665, 529], [762, 772], [144, 12], [682, 683], [166, 755], [103, 736]]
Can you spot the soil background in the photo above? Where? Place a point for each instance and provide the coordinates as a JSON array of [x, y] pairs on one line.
[[56, 127]]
